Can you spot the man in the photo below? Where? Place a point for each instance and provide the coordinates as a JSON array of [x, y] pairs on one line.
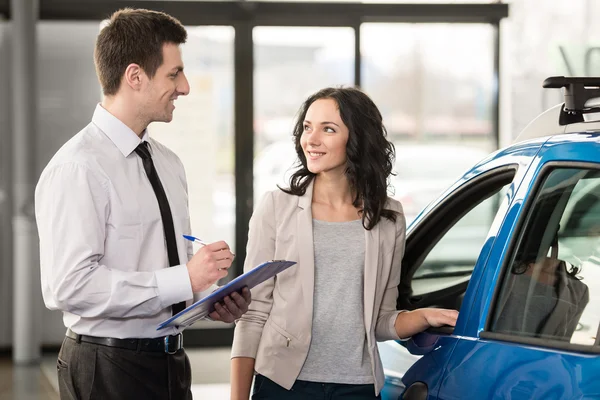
[[111, 209]]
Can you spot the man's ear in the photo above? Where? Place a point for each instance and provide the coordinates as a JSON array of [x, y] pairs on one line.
[[134, 76]]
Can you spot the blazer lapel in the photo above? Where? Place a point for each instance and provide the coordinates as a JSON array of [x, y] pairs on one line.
[[306, 252], [371, 273]]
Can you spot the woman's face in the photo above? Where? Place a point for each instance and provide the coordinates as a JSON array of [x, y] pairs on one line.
[[324, 138]]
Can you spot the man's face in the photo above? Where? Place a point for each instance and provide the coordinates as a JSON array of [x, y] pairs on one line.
[[168, 83]]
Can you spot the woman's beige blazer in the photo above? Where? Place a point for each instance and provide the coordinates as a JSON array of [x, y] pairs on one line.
[[276, 330]]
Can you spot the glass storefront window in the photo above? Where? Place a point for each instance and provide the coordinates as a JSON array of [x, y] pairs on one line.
[[434, 85], [291, 63], [201, 132]]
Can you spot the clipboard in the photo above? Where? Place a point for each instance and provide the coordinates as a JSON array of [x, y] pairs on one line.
[[205, 305]]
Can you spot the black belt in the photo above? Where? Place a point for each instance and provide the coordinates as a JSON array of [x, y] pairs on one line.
[[165, 344]]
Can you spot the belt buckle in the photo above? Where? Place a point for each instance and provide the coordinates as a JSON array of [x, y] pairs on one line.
[[177, 347]]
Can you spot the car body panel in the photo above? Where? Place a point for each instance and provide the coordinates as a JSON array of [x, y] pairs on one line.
[[485, 369]]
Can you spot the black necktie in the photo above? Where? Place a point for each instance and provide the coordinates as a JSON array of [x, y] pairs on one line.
[[165, 211]]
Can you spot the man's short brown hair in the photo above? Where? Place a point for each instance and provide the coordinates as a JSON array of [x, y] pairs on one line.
[[133, 36]]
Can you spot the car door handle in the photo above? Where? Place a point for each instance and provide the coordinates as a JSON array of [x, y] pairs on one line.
[[445, 330]]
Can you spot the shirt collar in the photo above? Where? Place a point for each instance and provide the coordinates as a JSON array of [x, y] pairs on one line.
[[120, 134]]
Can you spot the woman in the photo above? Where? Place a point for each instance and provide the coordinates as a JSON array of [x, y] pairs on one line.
[[312, 330]]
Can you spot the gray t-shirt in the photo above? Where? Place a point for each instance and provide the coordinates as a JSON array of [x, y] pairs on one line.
[[338, 350]]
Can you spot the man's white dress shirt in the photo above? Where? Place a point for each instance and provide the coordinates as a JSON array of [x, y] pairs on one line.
[[103, 252]]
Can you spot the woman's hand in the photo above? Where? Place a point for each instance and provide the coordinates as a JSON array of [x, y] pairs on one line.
[[436, 317], [409, 323]]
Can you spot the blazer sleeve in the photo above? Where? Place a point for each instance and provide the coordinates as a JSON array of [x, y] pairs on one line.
[[260, 248], [385, 327]]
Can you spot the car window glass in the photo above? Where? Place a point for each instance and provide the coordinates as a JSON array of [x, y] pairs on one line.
[[551, 289], [452, 260]]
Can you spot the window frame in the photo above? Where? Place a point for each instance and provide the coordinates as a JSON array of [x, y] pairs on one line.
[[438, 221], [515, 241]]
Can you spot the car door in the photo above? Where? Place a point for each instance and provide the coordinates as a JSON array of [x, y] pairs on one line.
[[446, 247], [532, 332]]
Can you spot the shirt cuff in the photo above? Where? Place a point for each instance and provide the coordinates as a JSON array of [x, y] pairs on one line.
[[204, 293], [174, 285]]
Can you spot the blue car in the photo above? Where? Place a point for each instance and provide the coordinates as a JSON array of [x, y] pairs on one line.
[[529, 292]]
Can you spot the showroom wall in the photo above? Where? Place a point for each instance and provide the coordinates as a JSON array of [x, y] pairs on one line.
[[542, 38]]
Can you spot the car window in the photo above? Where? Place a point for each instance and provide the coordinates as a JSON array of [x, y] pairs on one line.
[[452, 260], [551, 287], [443, 246]]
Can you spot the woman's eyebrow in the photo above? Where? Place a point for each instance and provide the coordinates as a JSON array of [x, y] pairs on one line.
[[322, 123]]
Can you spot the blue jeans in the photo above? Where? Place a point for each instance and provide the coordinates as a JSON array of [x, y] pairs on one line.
[[266, 389]]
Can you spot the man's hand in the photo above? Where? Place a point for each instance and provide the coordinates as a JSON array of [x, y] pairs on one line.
[[232, 307], [209, 264]]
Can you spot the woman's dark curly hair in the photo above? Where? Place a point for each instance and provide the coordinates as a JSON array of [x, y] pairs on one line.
[[370, 155]]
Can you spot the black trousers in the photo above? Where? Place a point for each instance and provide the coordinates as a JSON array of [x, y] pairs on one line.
[[266, 389], [89, 371]]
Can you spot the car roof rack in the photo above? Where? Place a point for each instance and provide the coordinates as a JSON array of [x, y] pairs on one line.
[[577, 93], [580, 111]]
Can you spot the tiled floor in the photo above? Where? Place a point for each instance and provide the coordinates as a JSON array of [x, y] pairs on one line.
[[210, 377], [24, 383]]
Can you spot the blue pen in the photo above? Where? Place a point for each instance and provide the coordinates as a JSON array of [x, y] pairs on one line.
[[194, 239]]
